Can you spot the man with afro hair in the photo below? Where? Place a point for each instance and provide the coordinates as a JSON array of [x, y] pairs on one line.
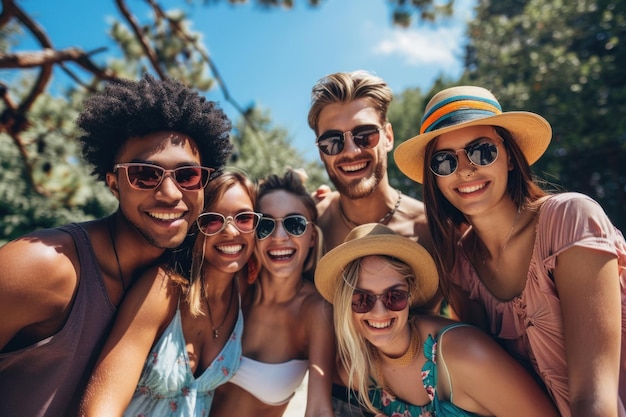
[[155, 144]]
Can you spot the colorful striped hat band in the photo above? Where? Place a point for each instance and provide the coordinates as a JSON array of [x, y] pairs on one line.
[[464, 106], [458, 109]]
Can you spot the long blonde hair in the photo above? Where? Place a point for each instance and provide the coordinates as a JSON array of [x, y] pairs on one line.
[[354, 350]]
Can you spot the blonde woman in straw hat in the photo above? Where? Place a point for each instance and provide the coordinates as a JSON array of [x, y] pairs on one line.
[[427, 365], [544, 273]]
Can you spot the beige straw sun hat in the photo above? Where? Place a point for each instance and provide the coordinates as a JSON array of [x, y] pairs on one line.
[[458, 107], [377, 239]]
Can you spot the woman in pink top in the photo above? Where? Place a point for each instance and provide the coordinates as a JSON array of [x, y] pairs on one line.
[[543, 273]]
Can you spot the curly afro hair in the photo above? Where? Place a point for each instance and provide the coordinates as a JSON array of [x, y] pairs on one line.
[[128, 109]]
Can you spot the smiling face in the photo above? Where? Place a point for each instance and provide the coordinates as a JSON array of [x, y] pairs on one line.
[[281, 254], [164, 214], [473, 189], [229, 250], [387, 330], [355, 172]]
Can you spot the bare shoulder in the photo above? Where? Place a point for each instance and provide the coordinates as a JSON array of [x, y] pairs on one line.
[[324, 203], [42, 262], [313, 304], [410, 221], [38, 279]]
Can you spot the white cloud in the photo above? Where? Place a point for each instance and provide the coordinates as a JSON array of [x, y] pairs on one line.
[[441, 46]]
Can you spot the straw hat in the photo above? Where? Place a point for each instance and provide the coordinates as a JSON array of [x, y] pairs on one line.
[[458, 107], [377, 239]]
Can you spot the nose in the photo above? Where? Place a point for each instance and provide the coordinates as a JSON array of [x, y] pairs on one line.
[[232, 229], [349, 145], [168, 189], [466, 168], [279, 231]]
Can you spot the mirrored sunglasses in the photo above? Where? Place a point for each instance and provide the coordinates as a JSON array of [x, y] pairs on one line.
[[143, 176], [393, 300], [333, 141], [211, 223], [294, 224], [481, 152]]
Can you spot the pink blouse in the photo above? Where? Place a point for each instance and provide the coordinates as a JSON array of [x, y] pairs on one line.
[[531, 325]]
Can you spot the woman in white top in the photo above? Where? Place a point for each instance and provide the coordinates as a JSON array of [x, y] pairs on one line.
[[288, 326]]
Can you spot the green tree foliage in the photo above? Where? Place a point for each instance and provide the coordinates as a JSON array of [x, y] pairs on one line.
[[261, 150], [405, 115], [43, 180], [564, 60]]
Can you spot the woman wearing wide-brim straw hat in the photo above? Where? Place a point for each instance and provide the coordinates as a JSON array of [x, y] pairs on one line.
[[377, 280], [544, 273]]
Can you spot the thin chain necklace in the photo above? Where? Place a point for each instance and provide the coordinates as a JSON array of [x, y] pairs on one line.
[[117, 258], [403, 361], [382, 220], [506, 243], [216, 330]]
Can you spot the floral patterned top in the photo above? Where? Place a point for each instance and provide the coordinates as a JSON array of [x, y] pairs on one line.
[[167, 386], [393, 407]]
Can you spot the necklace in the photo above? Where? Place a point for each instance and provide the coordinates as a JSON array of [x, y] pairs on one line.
[[403, 361], [216, 330], [506, 243], [383, 220], [117, 258]]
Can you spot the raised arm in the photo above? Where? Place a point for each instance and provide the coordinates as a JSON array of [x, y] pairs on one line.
[[144, 314], [321, 336], [484, 379], [588, 285]]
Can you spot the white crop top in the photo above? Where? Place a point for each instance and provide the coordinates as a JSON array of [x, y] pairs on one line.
[[271, 383]]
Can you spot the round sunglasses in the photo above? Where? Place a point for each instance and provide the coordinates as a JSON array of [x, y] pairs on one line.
[[142, 176], [294, 224], [333, 141], [393, 300], [212, 223], [481, 152]]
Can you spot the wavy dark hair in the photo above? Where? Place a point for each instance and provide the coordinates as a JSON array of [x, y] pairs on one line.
[[128, 109], [447, 223]]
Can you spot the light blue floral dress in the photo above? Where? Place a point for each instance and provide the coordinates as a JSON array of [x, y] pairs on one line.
[[167, 387]]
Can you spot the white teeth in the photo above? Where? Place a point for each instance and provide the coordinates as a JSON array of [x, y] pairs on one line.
[[230, 249], [166, 216], [379, 325], [281, 252], [354, 167], [471, 189]]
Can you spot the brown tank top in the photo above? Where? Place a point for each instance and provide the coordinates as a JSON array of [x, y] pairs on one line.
[[48, 378]]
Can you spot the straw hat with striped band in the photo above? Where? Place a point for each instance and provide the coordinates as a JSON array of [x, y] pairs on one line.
[[378, 239], [458, 107]]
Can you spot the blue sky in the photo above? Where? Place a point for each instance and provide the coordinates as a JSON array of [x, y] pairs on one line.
[[272, 58]]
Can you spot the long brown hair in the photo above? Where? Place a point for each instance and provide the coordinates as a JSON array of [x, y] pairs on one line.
[[447, 223]]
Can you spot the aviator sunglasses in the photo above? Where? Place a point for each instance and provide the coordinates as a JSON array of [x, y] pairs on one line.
[[294, 224], [333, 141], [142, 176], [481, 152], [212, 223], [393, 300]]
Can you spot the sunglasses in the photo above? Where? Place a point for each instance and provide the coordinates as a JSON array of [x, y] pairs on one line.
[[481, 152], [333, 141], [143, 176], [212, 223], [393, 300], [294, 224]]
